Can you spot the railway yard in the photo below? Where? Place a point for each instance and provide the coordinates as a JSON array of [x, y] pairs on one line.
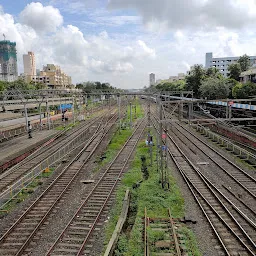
[[95, 187]]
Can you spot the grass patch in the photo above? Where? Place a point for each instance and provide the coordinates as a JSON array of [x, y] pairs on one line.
[[67, 127], [117, 141], [21, 196], [157, 201]]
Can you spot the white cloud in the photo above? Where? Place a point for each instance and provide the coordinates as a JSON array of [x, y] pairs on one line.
[[126, 58], [41, 18], [148, 51], [192, 13], [94, 57]]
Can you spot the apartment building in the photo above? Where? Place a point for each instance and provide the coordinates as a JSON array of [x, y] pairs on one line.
[[8, 61], [222, 63], [53, 77], [29, 63], [152, 79]]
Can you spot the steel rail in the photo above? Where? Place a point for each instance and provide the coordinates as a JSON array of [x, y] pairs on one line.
[[46, 147], [18, 173], [146, 246], [219, 165], [174, 234], [223, 221], [223, 157], [22, 248], [92, 226]]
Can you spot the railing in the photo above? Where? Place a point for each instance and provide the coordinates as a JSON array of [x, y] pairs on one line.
[[238, 151], [23, 182], [9, 134]]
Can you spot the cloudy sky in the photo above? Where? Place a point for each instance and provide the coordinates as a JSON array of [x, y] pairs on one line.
[[122, 41]]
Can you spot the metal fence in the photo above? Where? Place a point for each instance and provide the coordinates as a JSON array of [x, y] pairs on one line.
[[23, 182], [238, 151], [9, 134]]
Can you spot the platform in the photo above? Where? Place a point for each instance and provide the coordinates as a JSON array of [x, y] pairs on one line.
[[16, 147]]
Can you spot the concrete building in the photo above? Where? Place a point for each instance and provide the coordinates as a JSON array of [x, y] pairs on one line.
[[222, 63], [248, 76], [53, 77], [8, 61], [158, 81], [29, 63], [180, 76], [152, 79]]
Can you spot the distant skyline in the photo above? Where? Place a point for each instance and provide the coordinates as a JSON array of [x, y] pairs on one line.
[[123, 41]]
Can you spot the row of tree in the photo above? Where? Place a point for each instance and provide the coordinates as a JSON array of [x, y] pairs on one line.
[[211, 84], [21, 85], [90, 87]]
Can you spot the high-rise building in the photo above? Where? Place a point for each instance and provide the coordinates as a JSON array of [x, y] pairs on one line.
[[222, 63], [29, 63], [8, 61], [152, 79]]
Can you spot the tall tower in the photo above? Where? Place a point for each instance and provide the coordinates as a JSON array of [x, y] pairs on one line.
[[8, 61], [29, 63], [208, 59], [152, 79]]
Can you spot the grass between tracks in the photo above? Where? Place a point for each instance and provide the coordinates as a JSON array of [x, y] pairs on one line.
[[155, 199], [119, 138], [26, 192]]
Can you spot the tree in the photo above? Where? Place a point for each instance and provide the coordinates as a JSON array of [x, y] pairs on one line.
[[231, 83], [90, 86], [195, 78], [244, 62], [214, 88], [244, 91], [21, 85], [213, 72], [234, 71], [3, 85]]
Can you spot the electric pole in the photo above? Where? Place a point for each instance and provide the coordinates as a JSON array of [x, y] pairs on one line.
[[119, 112], [150, 140], [130, 115]]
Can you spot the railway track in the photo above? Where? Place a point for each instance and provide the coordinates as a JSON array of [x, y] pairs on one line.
[[233, 228], [171, 245], [18, 171], [80, 233], [16, 239], [248, 147], [237, 174], [233, 171]]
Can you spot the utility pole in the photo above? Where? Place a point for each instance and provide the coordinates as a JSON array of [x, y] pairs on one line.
[[190, 111], [130, 115], [73, 109], [119, 112], [40, 114], [47, 111], [160, 139], [26, 115], [150, 142]]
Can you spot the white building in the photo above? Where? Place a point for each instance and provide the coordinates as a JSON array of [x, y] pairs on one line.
[[222, 63], [152, 79], [29, 63]]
